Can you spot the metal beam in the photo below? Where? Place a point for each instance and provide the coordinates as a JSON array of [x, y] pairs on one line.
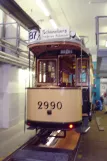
[[14, 9]]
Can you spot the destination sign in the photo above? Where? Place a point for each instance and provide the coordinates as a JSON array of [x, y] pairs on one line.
[[46, 34], [55, 33]]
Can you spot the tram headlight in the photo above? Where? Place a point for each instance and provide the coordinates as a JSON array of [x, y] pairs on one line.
[[70, 126]]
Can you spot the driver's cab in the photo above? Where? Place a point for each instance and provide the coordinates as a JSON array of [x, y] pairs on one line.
[[63, 71]]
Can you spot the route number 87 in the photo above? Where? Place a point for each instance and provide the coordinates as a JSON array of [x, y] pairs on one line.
[[33, 35], [52, 105]]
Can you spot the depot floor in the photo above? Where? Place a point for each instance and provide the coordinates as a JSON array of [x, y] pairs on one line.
[[12, 138], [93, 145]]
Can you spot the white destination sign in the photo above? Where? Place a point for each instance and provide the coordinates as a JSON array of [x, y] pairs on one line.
[[55, 33], [34, 35]]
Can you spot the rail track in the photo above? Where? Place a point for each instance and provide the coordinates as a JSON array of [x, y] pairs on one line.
[[39, 149]]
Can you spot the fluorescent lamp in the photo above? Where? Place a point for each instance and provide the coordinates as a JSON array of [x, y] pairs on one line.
[[53, 23], [106, 44], [43, 7]]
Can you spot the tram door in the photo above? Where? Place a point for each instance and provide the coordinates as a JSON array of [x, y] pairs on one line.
[[67, 65], [86, 102]]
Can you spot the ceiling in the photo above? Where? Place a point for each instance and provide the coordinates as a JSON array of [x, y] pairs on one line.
[[79, 15]]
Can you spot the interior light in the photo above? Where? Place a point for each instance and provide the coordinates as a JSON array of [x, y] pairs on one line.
[[40, 78], [43, 7], [53, 23], [106, 44], [44, 78], [70, 126]]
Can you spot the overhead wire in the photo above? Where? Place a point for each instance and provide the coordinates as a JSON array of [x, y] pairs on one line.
[[63, 12]]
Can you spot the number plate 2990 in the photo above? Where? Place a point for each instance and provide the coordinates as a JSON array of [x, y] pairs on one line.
[[51, 105]]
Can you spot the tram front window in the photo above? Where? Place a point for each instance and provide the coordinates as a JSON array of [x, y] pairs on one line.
[[67, 65], [47, 71]]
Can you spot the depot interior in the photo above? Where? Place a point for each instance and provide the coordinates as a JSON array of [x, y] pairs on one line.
[[91, 24]]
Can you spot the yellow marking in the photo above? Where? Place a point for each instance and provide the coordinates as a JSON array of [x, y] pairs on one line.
[[1, 158], [70, 141], [9, 153], [79, 156]]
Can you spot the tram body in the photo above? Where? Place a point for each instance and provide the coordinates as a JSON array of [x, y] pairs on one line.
[[50, 111], [61, 96]]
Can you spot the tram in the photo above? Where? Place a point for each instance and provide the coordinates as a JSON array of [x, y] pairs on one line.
[[61, 95]]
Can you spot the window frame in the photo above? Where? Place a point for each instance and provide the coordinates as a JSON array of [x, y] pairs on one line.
[[87, 73], [64, 55], [37, 71]]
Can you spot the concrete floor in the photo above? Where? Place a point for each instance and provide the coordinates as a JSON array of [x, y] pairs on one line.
[[13, 138], [93, 145]]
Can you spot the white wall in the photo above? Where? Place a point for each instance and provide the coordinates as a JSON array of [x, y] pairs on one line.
[[11, 30], [1, 21], [12, 84], [1, 96], [12, 95]]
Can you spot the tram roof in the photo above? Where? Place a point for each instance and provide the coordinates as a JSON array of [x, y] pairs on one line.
[[41, 46], [46, 40]]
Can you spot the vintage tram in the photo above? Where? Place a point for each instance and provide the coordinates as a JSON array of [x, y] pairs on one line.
[[61, 95]]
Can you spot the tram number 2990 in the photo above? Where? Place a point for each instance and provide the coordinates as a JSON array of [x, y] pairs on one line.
[[52, 105]]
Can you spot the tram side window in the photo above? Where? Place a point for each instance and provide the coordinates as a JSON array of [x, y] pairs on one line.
[[47, 71], [83, 76], [82, 73]]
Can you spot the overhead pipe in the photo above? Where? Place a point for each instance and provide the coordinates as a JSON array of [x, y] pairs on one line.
[[10, 61], [15, 47], [11, 58], [22, 60], [15, 61], [20, 54]]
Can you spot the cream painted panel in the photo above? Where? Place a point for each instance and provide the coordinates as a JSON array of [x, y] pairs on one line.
[[71, 105]]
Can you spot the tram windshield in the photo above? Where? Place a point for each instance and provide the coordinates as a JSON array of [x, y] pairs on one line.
[[63, 71], [47, 71], [67, 66]]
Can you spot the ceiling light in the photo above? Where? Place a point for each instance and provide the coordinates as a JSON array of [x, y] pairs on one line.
[[43, 7], [53, 23]]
